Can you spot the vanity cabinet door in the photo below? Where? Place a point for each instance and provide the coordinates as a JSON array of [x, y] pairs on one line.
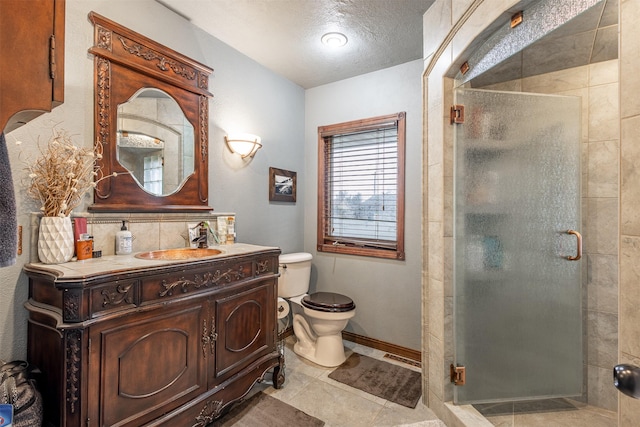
[[32, 52], [146, 364], [245, 325]]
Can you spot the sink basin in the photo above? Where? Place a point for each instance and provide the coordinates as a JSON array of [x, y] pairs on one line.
[[177, 254]]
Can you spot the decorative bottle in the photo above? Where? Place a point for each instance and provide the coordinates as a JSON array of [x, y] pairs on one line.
[[123, 241]]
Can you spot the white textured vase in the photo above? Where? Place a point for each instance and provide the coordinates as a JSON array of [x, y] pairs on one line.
[[55, 240]]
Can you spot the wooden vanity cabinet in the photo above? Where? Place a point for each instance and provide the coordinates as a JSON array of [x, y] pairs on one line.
[[173, 345], [32, 52]]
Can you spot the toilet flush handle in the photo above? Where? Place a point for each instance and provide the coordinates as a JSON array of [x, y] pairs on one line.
[[578, 245]]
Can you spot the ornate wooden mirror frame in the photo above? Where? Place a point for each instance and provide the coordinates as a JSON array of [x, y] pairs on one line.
[[124, 63]]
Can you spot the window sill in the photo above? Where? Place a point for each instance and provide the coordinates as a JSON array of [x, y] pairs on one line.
[[370, 252]]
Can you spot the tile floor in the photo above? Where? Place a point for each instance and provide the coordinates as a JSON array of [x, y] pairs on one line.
[[308, 388], [575, 414]]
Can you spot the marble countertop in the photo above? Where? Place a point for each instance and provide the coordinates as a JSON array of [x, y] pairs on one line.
[[123, 263]]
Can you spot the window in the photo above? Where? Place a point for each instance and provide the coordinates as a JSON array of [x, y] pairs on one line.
[[361, 187], [153, 174]]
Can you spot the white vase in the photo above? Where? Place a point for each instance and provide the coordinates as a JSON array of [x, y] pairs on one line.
[[55, 240]]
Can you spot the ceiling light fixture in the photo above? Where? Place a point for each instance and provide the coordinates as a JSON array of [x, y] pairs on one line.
[[245, 145], [334, 39]]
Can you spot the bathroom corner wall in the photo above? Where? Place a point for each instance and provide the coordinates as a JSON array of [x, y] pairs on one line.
[[629, 348]]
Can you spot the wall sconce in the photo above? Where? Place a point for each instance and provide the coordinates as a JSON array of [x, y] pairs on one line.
[[245, 145]]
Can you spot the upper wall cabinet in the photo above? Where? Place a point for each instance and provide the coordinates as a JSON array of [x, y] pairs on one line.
[[32, 52], [151, 121]]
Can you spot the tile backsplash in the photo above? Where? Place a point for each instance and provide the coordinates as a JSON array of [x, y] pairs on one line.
[[151, 231]]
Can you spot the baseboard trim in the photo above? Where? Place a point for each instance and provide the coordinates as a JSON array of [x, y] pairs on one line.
[[370, 342], [287, 332], [382, 345]]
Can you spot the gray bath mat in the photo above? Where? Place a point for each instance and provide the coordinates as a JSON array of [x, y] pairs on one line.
[[262, 410], [388, 381]]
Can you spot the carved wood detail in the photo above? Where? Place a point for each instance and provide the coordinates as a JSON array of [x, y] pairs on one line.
[[73, 338], [203, 81], [262, 267], [204, 123], [103, 38], [103, 107], [163, 64], [204, 147], [121, 294], [209, 338], [71, 306], [103, 95], [205, 338], [206, 280], [209, 413]]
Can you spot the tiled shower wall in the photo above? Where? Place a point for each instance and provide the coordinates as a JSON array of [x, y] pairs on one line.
[[443, 43], [629, 200], [597, 85]]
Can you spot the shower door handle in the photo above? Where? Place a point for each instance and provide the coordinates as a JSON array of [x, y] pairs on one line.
[[578, 246]]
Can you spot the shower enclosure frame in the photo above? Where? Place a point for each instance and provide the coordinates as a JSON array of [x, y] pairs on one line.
[[444, 50], [517, 297]]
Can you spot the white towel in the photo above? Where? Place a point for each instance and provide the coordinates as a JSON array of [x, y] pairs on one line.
[[8, 221]]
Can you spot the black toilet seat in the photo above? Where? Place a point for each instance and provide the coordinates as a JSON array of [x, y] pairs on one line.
[[328, 302]]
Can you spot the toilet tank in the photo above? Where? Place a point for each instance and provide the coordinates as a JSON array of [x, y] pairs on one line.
[[295, 271]]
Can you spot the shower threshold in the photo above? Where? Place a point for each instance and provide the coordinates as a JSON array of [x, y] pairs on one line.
[[538, 413], [528, 407]]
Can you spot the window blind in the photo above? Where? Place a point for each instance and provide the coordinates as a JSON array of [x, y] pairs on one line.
[[361, 187]]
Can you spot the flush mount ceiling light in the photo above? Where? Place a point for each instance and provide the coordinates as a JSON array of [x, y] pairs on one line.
[[244, 144], [334, 39]]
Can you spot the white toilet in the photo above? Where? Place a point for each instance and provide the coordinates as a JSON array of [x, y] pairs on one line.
[[318, 330]]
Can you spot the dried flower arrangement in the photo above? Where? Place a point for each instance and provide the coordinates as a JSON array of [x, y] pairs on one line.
[[63, 173]]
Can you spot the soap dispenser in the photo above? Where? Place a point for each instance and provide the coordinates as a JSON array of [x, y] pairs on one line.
[[123, 241]]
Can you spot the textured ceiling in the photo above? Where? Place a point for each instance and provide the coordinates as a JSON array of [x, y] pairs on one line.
[[284, 35]]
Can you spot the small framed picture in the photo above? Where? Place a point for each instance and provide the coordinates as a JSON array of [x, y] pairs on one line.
[[282, 185]]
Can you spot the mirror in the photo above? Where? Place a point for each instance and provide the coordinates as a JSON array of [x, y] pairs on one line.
[[151, 118], [155, 141]]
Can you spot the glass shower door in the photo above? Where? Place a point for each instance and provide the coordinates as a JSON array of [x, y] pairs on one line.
[[517, 295]]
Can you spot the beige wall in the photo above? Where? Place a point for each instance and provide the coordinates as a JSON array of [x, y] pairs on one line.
[[598, 85], [629, 413]]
